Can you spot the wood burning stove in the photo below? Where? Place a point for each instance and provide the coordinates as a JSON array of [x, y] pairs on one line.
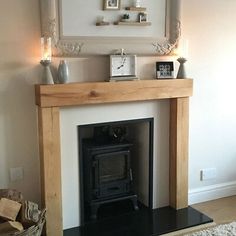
[[107, 174]]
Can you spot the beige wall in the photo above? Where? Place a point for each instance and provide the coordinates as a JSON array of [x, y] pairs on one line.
[[209, 26], [19, 70]]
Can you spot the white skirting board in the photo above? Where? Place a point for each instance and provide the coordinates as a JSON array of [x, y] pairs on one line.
[[211, 192]]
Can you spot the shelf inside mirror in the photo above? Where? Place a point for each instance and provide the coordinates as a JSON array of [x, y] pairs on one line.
[[103, 23], [132, 23], [135, 8]]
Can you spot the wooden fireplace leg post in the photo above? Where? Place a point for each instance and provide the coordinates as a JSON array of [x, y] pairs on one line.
[[179, 133], [50, 165]]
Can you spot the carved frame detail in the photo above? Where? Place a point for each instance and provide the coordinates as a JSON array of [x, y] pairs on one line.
[[79, 46]]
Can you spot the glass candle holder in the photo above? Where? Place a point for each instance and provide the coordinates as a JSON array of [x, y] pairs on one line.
[[46, 49], [46, 58]]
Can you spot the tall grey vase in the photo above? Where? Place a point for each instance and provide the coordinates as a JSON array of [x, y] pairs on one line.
[[63, 72]]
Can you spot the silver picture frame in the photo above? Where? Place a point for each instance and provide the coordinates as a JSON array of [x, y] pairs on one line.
[[165, 69], [111, 5]]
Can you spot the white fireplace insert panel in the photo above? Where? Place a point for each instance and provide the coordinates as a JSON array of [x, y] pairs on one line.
[[71, 117]]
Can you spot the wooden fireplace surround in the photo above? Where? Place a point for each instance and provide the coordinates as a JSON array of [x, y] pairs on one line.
[[49, 99]]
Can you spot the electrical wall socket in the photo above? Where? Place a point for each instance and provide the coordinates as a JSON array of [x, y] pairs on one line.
[[207, 174], [16, 174]]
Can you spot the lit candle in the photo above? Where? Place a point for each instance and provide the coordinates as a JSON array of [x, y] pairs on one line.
[[46, 57], [46, 49]]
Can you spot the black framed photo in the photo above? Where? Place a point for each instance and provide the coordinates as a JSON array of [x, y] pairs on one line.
[[164, 69], [142, 17]]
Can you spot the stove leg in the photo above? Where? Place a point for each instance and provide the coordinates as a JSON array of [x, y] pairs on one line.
[[135, 202], [94, 209]]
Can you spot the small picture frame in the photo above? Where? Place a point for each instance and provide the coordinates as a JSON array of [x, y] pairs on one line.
[[142, 17], [165, 70], [111, 4]]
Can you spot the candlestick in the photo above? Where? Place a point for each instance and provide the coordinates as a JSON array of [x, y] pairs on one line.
[[46, 57]]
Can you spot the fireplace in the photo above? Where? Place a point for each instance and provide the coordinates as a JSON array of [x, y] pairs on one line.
[[112, 169], [51, 98]]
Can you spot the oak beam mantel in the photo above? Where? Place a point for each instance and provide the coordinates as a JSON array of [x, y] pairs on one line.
[[74, 94], [49, 99]]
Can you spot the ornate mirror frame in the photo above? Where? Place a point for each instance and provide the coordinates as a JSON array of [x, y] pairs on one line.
[[81, 45]]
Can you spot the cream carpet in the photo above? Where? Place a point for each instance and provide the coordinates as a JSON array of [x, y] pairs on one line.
[[219, 230], [183, 232]]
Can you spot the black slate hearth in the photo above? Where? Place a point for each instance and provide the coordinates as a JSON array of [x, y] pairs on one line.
[[144, 222]]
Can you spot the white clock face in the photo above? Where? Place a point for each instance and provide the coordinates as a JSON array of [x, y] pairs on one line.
[[123, 65]]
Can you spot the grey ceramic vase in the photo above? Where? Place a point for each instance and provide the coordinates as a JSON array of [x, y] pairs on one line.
[[63, 72]]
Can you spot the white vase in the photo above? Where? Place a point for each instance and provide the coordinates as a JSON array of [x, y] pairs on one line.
[[63, 72], [137, 3]]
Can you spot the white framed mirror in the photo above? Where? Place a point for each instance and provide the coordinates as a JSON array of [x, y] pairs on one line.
[[72, 24]]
